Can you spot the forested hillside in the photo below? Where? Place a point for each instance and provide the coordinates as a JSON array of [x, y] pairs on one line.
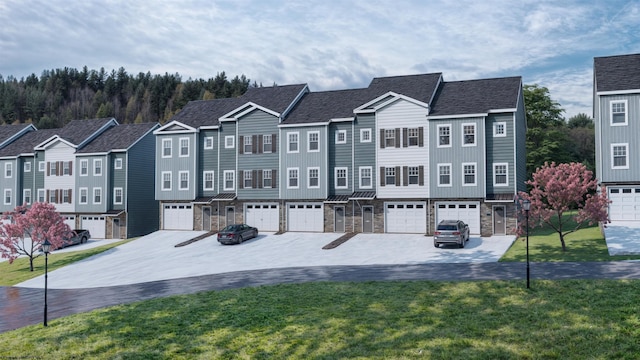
[[58, 96]]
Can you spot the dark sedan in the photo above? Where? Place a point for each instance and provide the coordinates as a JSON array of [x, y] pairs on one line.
[[236, 234]]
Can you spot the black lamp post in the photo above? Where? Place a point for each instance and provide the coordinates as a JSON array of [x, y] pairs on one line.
[[46, 247], [526, 204]]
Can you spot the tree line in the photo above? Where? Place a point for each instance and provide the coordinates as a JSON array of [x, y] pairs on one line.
[[58, 96]]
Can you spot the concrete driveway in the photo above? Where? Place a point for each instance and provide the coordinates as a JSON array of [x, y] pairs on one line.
[[623, 237], [155, 257]]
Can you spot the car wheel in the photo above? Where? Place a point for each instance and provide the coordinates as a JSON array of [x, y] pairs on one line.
[[461, 245], [435, 244], [240, 239], [83, 240]]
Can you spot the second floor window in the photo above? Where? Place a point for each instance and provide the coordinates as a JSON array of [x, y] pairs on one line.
[[341, 178], [97, 195], [248, 179], [314, 178], [266, 144], [7, 196], [207, 183], [618, 112], [248, 145], [66, 168], [314, 141], [184, 147], [84, 167], [53, 168], [413, 136], [166, 180], [468, 134], [66, 196], [390, 176], [414, 175], [389, 138], [184, 180], [8, 170], [619, 156], [469, 174], [97, 167], [166, 147], [293, 178], [293, 142], [267, 180], [444, 135], [444, 174], [117, 196], [365, 177], [229, 179], [84, 194], [27, 196], [500, 175]]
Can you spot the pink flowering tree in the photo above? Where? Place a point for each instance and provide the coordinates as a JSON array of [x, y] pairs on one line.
[[556, 189], [28, 229]]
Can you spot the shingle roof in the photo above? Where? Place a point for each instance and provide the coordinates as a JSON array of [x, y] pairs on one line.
[[78, 131], [26, 143], [118, 137], [420, 87], [276, 98], [476, 96], [7, 131], [614, 73]]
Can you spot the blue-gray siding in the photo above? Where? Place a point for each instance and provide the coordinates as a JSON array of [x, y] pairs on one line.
[[228, 156], [175, 164], [500, 150], [340, 155], [364, 152], [207, 161], [142, 207], [303, 160], [91, 181], [256, 125]]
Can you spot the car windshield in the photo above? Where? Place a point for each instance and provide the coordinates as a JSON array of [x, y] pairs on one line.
[[447, 227]]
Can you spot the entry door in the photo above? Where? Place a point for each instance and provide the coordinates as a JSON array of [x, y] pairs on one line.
[[231, 215], [499, 225], [206, 218], [367, 219], [339, 218], [115, 229]]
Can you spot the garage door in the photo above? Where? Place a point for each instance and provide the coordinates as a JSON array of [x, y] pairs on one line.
[[178, 217], [406, 217], [95, 224], [305, 217], [266, 217], [70, 220], [625, 204], [469, 212]]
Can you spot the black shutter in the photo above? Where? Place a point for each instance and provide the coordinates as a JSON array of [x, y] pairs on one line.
[[274, 143], [260, 145], [382, 177], [405, 176], [274, 177], [254, 144], [254, 179], [398, 175], [240, 144], [397, 137], [382, 139], [421, 136], [421, 175], [260, 181], [240, 179], [404, 137]]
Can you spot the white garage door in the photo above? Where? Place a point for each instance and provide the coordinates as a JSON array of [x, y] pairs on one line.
[[405, 217], [266, 217], [71, 221], [469, 212], [625, 204], [305, 217], [96, 226], [178, 217]]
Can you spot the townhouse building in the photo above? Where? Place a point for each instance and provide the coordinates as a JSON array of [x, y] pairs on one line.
[[397, 156], [616, 114]]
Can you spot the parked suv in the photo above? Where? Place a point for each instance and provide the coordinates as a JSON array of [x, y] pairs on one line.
[[451, 232]]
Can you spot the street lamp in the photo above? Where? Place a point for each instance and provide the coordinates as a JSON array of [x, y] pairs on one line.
[[526, 204], [46, 247]]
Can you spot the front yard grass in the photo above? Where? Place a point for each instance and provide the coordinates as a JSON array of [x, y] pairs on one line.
[[570, 319]]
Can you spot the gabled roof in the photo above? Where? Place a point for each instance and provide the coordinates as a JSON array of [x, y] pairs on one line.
[[78, 131], [9, 133], [617, 73], [26, 143], [421, 87], [276, 98], [476, 96], [119, 137]]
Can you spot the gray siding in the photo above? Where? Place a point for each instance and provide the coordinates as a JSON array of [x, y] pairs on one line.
[[38, 182], [500, 150], [8, 184], [365, 152], [90, 182], [117, 179], [175, 164], [340, 155], [255, 125], [521, 145], [303, 160], [142, 208], [228, 157], [207, 161], [27, 178], [456, 155]]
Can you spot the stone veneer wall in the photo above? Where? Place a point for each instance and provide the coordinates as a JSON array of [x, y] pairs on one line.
[[123, 226]]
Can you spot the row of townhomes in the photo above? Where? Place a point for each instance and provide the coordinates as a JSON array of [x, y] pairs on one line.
[[397, 156], [97, 173], [616, 111]]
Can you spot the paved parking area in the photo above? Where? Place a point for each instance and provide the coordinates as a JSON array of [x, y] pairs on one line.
[[623, 237], [155, 257]]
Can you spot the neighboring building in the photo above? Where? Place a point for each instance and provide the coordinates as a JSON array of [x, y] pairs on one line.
[[397, 156], [616, 112], [12, 176]]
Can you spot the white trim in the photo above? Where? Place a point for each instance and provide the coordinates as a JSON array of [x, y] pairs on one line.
[[115, 197], [264, 142], [309, 177], [27, 166], [297, 125], [42, 194], [346, 177], [495, 183], [93, 198], [180, 187], [247, 141], [229, 142], [453, 116], [162, 175], [117, 163], [42, 166], [450, 184], [438, 135], [247, 175], [393, 97], [185, 128], [362, 132], [10, 196], [297, 170], [309, 141], [204, 180], [370, 168], [495, 127], [475, 173], [341, 132], [475, 134], [180, 146], [208, 138], [96, 162], [618, 92], [233, 179], [241, 111], [24, 196], [626, 112], [86, 162], [80, 190], [626, 151], [493, 111], [289, 142], [347, 119], [8, 170], [170, 142]]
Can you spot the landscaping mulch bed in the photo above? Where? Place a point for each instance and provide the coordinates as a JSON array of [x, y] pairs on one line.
[[200, 237], [339, 241]]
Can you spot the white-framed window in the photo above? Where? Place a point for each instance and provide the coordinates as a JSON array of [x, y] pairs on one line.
[[229, 142], [26, 196], [84, 167], [8, 170], [468, 134], [293, 178], [97, 167], [390, 175], [292, 141], [97, 195], [313, 177], [267, 144], [500, 174], [313, 141], [341, 137], [184, 180], [53, 168], [207, 180], [27, 166], [66, 168], [414, 175], [248, 144], [619, 112], [366, 173], [66, 196], [500, 129], [184, 147], [267, 179], [468, 174], [413, 136], [117, 196], [53, 196], [7, 196], [42, 195], [248, 179], [229, 179], [389, 138], [41, 166], [166, 148], [208, 143], [365, 135], [444, 135], [84, 195], [619, 156], [166, 180], [444, 174], [341, 174], [117, 164]]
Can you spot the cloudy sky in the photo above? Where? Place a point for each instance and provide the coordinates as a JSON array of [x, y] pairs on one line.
[[328, 44]]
